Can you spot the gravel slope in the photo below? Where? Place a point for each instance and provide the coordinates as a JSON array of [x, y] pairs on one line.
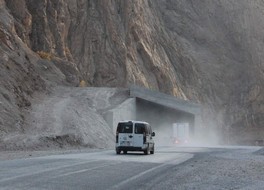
[[67, 117]]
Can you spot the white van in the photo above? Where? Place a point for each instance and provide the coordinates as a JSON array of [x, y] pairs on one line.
[[134, 136]]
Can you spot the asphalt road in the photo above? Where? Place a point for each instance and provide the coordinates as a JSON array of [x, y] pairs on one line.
[[168, 168]]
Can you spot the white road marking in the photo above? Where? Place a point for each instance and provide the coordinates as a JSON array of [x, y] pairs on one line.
[[85, 170], [43, 171], [178, 160]]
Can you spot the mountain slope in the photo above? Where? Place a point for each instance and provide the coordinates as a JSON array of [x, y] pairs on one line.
[[202, 50]]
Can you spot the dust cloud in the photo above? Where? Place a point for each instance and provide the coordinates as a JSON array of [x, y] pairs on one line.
[[162, 119], [201, 137]]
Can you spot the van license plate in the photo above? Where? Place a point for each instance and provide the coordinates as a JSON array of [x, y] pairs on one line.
[[126, 143]]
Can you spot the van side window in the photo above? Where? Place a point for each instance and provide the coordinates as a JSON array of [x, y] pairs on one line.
[[140, 128], [125, 128]]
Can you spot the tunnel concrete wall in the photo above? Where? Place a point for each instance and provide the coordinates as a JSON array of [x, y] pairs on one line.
[[125, 111]]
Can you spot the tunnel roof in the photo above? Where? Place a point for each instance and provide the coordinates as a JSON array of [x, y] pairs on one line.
[[165, 100]]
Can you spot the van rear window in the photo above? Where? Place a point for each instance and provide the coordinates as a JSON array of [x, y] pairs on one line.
[[125, 127], [140, 128]]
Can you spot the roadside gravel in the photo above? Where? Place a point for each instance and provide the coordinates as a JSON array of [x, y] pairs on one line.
[[222, 169]]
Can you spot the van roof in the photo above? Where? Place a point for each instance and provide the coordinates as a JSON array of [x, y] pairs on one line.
[[133, 121]]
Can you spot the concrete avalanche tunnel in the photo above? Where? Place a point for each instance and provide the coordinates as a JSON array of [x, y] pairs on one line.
[[158, 109]]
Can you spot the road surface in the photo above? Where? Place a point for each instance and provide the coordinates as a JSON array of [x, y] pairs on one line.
[[168, 168]]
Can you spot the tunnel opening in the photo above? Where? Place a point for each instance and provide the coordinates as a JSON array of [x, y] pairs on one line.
[[162, 118]]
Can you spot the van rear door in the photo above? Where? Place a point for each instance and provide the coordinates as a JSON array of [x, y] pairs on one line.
[[139, 134], [125, 134]]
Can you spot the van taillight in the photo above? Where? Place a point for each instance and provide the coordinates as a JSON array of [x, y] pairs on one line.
[[144, 137], [117, 138]]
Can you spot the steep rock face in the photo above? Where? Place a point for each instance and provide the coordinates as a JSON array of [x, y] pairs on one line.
[[206, 51], [22, 72], [18, 79], [112, 42]]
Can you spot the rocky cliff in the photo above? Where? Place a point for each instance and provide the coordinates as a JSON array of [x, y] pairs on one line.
[[205, 51]]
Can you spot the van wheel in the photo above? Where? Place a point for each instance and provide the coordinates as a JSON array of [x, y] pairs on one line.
[[146, 152], [118, 152]]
